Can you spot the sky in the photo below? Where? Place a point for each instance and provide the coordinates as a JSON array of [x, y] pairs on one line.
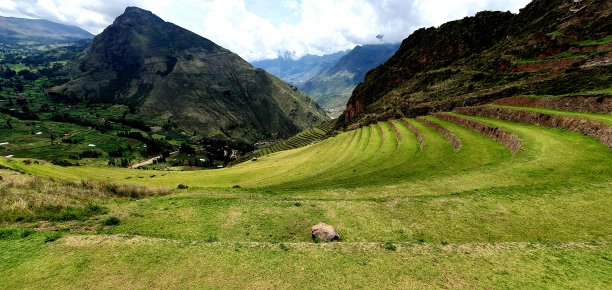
[[265, 29]]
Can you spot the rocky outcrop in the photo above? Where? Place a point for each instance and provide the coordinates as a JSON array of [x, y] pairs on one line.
[[597, 130], [508, 139], [428, 49], [324, 233], [479, 59]]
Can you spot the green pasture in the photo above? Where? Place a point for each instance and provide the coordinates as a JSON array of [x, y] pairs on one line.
[[479, 217]]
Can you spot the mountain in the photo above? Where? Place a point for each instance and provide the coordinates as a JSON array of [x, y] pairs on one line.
[[298, 71], [550, 47], [18, 31], [329, 79], [180, 81], [332, 88]]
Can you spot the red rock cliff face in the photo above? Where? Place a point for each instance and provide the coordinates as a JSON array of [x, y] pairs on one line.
[[467, 61], [428, 49], [353, 109]]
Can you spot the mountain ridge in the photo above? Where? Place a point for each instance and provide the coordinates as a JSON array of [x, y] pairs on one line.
[[14, 30], [329, 79], [333, 87], [181, 81], [298, 71], [481, 58]]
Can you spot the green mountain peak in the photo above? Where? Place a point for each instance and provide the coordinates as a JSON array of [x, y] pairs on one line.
[[175, 78]]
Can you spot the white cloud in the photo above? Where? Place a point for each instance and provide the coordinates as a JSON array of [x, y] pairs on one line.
[[9, 5], [315, 26], [91, 15]]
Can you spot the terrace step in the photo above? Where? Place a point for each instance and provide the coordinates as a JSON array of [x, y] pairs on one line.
[[416, 132], [508, 139], [585, 104], [595, 129], [452, 138], [301, 139]]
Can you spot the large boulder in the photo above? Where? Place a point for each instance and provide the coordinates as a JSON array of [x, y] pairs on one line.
[[324, 233]]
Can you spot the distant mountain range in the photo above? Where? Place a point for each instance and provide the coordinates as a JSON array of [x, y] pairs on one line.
[[332, 88], [20, 31], [330, 79], [299, 71], [178, 80], [551, 47]]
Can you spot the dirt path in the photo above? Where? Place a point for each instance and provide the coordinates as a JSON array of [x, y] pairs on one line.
[[150, 161]]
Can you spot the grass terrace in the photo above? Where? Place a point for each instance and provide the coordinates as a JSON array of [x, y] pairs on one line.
[[537, 218]]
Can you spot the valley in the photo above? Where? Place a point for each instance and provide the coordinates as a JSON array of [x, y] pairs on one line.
[[475, 155]]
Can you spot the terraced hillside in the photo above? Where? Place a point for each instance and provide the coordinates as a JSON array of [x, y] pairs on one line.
[[518, 204], [301, 139]]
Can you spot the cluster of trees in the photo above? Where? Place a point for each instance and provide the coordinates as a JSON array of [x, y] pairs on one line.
[[221, 149], [120, 162]]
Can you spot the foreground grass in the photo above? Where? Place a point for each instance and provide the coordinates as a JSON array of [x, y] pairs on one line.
[[476, 218], [28, 198], [116, 261]]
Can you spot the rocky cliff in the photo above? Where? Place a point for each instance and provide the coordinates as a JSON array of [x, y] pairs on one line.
[[550, 47]]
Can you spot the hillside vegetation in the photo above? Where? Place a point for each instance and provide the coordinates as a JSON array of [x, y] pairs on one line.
[[517, 205], [478, 157], [551, 47], [175, 79]]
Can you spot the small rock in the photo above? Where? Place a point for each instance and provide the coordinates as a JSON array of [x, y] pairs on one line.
[[324, 232]]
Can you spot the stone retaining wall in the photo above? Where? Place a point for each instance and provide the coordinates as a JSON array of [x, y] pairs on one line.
[[508, 139], [597, 130], [416, 132], [454, 140], [585, 104]]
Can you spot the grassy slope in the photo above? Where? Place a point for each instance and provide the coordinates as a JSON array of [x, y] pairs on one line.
[[476, 218]]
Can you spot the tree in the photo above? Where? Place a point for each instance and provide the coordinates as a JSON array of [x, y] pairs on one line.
[[18, 86], [9, 73]]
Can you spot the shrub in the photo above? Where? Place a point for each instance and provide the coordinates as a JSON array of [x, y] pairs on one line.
[[63, 163], [284, 247], [90, 154], [12, 234], [389, 245], [111, 221], [133, 191], [52, 237]]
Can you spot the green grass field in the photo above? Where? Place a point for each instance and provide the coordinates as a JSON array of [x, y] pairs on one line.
[[480, 217]]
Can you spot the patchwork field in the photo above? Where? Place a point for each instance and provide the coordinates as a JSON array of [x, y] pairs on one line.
[[413, 208]]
